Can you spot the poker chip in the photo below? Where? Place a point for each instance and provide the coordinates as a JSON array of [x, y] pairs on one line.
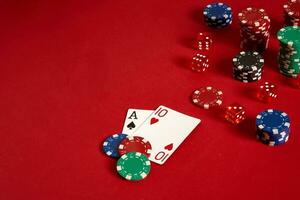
[[135, 144], [248, 61], [292, 13], [111, 145], [273, 127], [289, 36], [217, 15], [289, 52], [207, 97], [133, 166], [271, 139], [254, 29], [247, 66], [273, 121], [253, 17]]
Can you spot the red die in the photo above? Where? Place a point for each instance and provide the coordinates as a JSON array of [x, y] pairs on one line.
[[200, 62], [267, 92], [204, 41], [235, 113]]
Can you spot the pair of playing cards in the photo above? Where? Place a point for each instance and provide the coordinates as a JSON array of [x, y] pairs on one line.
[[164, 128]]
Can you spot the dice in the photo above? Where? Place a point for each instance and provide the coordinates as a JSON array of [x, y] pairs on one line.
[[204, 41], [200, 62], [235, 113], [267, 92]]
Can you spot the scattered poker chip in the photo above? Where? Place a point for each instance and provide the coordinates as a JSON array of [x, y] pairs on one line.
[[273, 127], [289, 52], [135, 144], [254, 29], [207, 97], [111, 145], [133, 166], [217, 15]]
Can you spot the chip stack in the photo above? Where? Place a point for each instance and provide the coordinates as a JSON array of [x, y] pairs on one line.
[[289, 52], [272, 127], [217, 15], [292, 13], [248, 66], [254, 32]]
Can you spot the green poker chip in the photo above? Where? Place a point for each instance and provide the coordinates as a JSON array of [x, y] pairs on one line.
[[133, 166], [288, 75], [289, 52], [289, 35]]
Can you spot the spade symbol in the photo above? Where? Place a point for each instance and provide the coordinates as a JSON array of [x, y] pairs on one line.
[[131, 125]]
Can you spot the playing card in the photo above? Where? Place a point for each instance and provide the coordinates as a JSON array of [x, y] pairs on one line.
[[166, 129], [134, 119]]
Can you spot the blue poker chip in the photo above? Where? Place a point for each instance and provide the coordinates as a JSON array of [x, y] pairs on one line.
[[216, 25], [216, 11], [111, 144], [218, 21], [273, 121], [225, 21], [272, 139]]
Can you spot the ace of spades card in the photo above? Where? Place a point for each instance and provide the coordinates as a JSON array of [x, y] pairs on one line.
[[134, 119]]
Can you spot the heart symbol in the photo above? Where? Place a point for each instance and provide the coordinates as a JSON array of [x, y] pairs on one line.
[[169, 147], [153, 120]]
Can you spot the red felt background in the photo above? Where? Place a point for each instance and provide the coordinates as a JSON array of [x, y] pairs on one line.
[[71, 69]]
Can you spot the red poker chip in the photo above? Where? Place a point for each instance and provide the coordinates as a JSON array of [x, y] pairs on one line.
[[253, 17], [292, 8], [258, 30], [254, 32], [257, 26], [207, 97], [256, 36], [251, 39], [135, 144]]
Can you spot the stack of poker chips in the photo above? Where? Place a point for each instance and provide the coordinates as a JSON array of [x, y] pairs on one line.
[[289, 53], [247, 66], [272, 127], [254, 29], [133, 154], [217, 15], [292, 13]]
